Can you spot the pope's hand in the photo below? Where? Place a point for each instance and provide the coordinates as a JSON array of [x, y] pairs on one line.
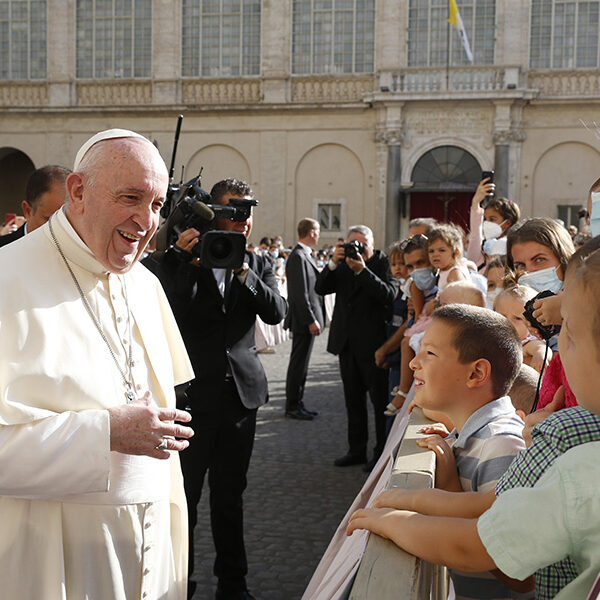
[[139, 427]]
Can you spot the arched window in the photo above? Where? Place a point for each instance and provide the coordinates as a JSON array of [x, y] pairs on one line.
[[428, 32], [446, 167], [220, 38], [23, 39], [333, 36], [114, 38], [564, 34]]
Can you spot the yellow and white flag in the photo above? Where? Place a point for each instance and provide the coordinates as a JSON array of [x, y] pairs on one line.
[[455, 19]]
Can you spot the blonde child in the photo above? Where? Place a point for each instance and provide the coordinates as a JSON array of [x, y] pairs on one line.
[[555, 489], [445, 250], [511, 303]]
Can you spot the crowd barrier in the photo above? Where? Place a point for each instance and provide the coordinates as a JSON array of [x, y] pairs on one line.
[[365, 566]]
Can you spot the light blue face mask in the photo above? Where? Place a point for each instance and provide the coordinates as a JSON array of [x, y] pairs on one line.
[[540, 281], [424, 279], [595, 216]]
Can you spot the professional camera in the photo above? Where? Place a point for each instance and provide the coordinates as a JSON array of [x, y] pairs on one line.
[[353, 249], [546, 331], [189, 206]]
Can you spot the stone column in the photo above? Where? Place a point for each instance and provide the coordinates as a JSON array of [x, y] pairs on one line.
[[166, 52], [389, 144], [61, 53], [276, 37], [501, 162]]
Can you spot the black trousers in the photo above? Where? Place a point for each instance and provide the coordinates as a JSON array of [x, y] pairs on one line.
[[359, 376], [222, 444], [302, 343]]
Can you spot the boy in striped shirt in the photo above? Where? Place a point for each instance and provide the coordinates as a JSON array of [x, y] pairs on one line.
[[468, 361]]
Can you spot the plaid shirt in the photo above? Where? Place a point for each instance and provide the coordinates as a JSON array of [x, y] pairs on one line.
[[550, 438]]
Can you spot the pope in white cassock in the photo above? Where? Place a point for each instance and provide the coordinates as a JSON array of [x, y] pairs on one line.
[[91, 494]]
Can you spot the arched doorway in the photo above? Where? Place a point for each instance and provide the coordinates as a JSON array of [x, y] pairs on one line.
[[444, 180], [15, 169]]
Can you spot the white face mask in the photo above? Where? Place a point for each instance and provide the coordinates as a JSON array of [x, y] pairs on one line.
[[491, 296], [542, 280], [595, 216], [492, 230], [493, 247]]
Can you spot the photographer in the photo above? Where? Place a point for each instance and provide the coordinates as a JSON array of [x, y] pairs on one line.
[[365, 290], [216, 311]]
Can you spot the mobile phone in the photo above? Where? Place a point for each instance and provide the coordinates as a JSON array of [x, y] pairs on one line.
[[10, 218], [487, 175]]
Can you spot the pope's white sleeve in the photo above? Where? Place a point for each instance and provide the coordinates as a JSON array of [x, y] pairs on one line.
[[68, 453]]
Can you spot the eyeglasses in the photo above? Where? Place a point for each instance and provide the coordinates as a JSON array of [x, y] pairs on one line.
[[415, 239]]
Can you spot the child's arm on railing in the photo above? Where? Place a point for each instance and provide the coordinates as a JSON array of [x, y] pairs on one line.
[[437, 503]]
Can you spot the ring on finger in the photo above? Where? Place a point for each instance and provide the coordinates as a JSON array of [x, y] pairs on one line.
[[162, 445]]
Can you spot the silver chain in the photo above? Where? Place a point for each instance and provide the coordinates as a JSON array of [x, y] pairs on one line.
[[129, 394]]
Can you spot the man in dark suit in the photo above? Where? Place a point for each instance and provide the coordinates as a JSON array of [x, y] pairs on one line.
[[216, 313], [365, 291], [305, 318], [44, 195]]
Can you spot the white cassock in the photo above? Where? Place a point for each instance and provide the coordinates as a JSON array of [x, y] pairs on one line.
[[78, 521]]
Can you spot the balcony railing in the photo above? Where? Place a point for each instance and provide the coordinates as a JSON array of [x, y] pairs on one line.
[[431, 83]]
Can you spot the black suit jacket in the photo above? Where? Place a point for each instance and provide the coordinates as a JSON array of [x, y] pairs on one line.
[[306, 306], [219, 333], [363, 305], [11, 237]]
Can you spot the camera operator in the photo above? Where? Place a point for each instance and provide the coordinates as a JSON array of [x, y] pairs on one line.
[[216, 311], [365, 290]]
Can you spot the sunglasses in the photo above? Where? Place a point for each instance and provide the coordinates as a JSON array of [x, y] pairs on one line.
[[414, 240]]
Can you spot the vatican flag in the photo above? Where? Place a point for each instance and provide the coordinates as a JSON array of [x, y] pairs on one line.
[[456, 20]]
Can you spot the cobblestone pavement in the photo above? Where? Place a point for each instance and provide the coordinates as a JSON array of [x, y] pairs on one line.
[[295, 497]]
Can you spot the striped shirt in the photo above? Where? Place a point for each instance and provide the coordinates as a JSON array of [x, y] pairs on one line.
[[549, 439], [484, 449]]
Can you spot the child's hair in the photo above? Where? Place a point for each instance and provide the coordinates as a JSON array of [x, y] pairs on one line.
[[580, 255], [468, 292], [587, 274], [497, 262], [450, 235], [395, 250], [481, 333], [509, 210], [542, 230], [522, 292], [522, 392], [579, 239]]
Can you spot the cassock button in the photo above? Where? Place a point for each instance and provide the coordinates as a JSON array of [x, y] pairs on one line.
[[138, 387], [147, 525], [146, 548], [119, 319], [146, 571]]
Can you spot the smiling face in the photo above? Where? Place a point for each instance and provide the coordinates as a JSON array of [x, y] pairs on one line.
[[533, 256], [439, 377], [114, 202], [577, 346], [441, 255]]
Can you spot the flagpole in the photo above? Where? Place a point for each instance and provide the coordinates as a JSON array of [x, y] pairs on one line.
[[448, 56]]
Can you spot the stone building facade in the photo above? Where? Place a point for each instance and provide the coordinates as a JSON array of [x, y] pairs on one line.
[[349, 111]]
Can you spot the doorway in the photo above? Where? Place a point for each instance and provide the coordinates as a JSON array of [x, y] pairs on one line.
[[444, 180]]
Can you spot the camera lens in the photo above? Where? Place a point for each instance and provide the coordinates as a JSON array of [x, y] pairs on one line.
[[221, 248]]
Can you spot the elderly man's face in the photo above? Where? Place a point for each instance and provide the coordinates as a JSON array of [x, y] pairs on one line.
[[117, 210]]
